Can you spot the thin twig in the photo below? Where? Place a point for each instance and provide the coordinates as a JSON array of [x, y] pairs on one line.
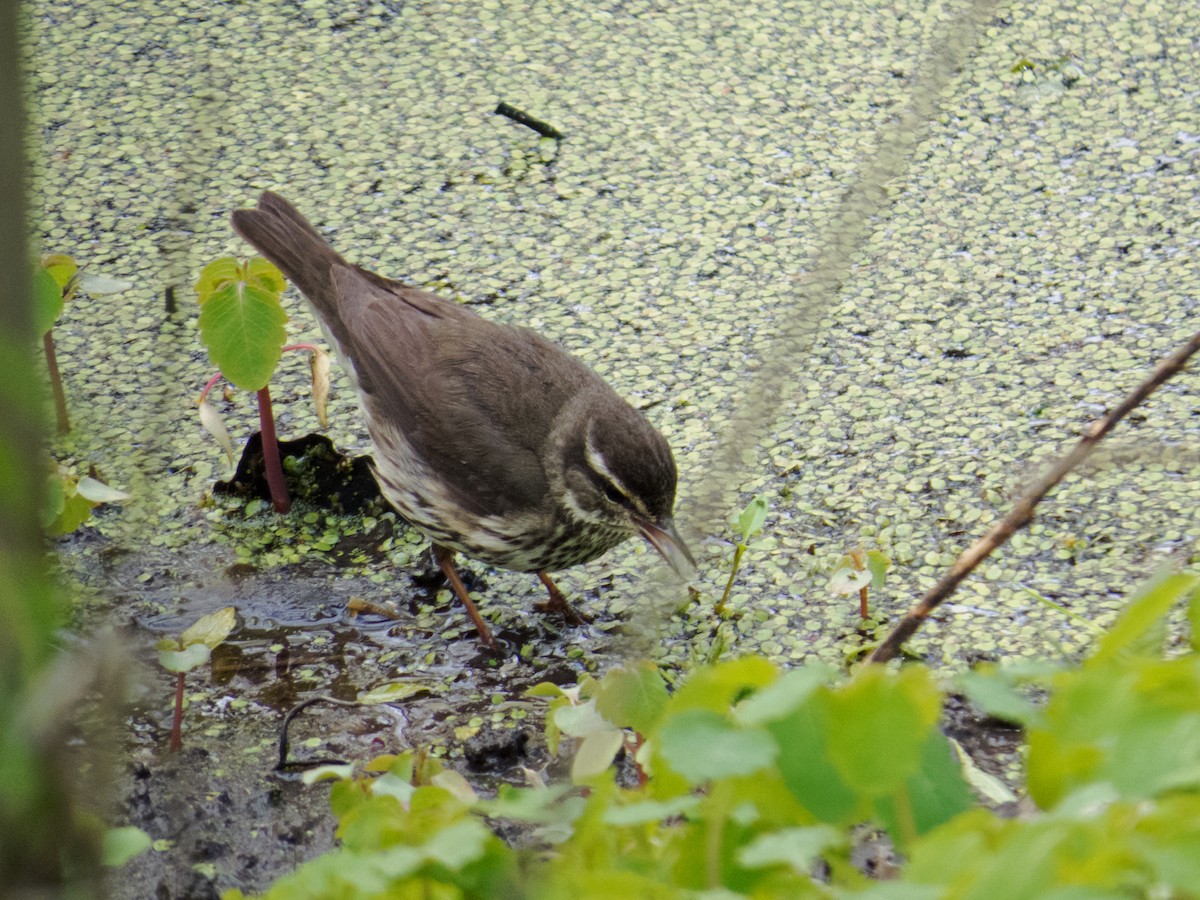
[[284, 763], [511, 112], [1022, 512]]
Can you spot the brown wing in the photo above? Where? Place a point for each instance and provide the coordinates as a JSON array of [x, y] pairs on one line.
[[430, 366]]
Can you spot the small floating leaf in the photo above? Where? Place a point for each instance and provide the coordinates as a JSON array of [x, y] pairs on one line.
[[211, 629]]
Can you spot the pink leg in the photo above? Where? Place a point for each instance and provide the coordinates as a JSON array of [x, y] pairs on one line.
[[558, 603], [445, 560]]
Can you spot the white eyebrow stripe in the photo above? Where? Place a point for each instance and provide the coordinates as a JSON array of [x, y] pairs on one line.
[[596, 460]]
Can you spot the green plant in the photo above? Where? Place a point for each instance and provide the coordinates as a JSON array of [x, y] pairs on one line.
[[55, 282], [758, 781], [747, 526], [408, 828], [858, 572], [71, 499], [1114, 763], [242, 326], [193, 648]]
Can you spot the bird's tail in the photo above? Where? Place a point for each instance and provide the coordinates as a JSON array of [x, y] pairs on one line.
[[278, 231]]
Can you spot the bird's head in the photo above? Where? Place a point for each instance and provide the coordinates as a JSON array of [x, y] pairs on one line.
[[620, 473]]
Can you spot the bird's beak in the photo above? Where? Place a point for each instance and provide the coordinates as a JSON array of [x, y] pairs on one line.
[[666, 540]]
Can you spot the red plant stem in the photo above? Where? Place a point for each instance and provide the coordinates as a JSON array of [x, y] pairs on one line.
[[208, 387], [270, 451], [177, 722], [60, 398], [642, 777]]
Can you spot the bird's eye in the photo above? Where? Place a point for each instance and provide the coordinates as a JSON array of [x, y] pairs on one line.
[[614, 494]]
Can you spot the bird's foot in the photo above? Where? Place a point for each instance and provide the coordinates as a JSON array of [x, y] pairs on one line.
[[558, 603]]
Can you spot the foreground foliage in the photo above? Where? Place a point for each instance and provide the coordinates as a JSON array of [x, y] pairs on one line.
[[755, 782]]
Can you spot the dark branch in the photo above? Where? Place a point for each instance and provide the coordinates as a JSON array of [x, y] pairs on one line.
[[1022, 512], [529, 121]]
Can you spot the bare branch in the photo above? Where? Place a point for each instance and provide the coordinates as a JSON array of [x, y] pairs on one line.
[[1022, 512]]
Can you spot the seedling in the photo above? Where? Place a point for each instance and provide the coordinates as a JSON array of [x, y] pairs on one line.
[[57, 280], [859, 571], [242, 326], [72, 499], [598, 713], [190, 650], [747, 526]]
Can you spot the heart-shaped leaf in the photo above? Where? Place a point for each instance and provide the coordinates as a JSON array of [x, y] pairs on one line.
[[241, 324]]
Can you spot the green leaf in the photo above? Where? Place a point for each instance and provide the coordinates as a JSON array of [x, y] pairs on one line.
[[386, 785], [632, 696], [797, 848], [1144, 616], [1194, 620], [536, 806], [1169, 840], [890, 890], [123, 844], [596, 753], [395, 864], [752, 519], [220, 273], [47, 301], [184, 660], [217, 274], [330, 772], [211, 629], [879, 723], [805, 764], [700, 745], [456, 845], [69, 507], [241, 324], [453, 783], [718, 687], [581, 720], [1134, 724], [393, 692], [989, 688], [56, 497], [950, 855], [988, 785], [932, 795], [547, 689], [783, 695], [62, 269], [98, 491], [878, 565], [263, 273], [848, 580], [647, 811]]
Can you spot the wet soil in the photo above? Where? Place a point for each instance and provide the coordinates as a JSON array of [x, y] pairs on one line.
[[222, 812]]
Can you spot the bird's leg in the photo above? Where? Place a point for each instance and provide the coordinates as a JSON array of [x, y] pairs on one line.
[[445, 560], [558, 603]]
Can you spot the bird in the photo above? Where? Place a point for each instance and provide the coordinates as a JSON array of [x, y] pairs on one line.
[[488, 438]]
